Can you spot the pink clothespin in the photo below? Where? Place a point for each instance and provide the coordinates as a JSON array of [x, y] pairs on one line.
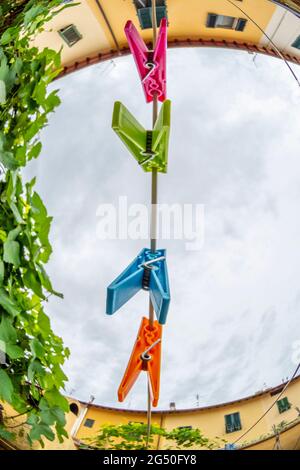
[[151, 65]]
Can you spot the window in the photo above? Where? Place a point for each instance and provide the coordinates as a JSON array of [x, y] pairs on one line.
[[223, 21], [296, 43], [233, 422], [283, 405], [89, 423], [70, 35], [74, 409], [227, 22], [185, 427], [144, 12]]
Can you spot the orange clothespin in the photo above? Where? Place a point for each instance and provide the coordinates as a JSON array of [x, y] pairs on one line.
[[146, 355]]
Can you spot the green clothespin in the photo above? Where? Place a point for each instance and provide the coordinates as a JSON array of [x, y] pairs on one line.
[[149, 148]]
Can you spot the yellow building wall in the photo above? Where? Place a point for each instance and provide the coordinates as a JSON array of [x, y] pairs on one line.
[[104, 417], [211, 420], [18, 426], [190, 17], [94, 37], [187, 20]]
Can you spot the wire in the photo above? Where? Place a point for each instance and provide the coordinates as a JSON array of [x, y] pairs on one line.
[[269, 39], [271, 406], [153, 218]]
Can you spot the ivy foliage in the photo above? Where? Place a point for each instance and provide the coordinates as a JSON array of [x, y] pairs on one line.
[[133, 436], [31, 376]]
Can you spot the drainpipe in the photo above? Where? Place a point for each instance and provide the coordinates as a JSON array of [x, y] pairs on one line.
[[159, 437], [81, 417]]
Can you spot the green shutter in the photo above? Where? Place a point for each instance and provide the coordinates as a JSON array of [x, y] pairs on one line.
[[233, 422], [228, 423], [296, 43], [283, 405], [145, 16], [237, 421]]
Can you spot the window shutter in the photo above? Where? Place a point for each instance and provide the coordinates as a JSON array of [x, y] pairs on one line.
[[296, 43], [145, 16], [161, 12], [241, 24], [228, 423], [211, 20], [233, 422], [237, 421], [70, 35], [283, 405]]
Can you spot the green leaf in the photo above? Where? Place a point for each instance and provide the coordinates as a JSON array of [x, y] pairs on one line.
[[51, 415], [59, 376], [44, 324], [37, 348], [11, 253], [16, 213], [41, 430], [57, 399], [4, 69], [32, 281], [8, 160], [31, 14], [45, 280], [35, 151], [39, 93], [2, 272], [2, 92], [38, 207], [14, 351], [6, 386], [8, 304], [8, 333], [35, 370], [6, 37], [12, 235], [52, 101]]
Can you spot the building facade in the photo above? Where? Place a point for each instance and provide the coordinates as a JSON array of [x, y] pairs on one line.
[[278, 426], [227, 421], [93, 30]]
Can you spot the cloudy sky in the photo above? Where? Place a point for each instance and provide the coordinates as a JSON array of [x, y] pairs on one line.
[[235, 312]]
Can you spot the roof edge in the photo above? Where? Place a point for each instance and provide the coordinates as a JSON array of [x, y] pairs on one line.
[[242, 46], [193, 410]]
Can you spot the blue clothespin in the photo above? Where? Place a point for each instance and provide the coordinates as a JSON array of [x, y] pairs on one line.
[[148, 271], [229, 446]]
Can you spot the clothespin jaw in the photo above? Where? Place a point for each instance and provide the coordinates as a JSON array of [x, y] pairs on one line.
[[145, 339], [160, 290], [149, 148], [126, 285], [151, 65], [143, 273]]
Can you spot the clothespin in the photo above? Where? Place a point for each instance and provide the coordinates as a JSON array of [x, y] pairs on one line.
[[151, 65], [146, 355], [149, 148], [148, 271]]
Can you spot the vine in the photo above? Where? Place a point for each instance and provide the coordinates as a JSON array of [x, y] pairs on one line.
[[134, 436], [31, 376]]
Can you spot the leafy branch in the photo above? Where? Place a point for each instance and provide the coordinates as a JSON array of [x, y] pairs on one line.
[[133, 436], [31, 378]]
